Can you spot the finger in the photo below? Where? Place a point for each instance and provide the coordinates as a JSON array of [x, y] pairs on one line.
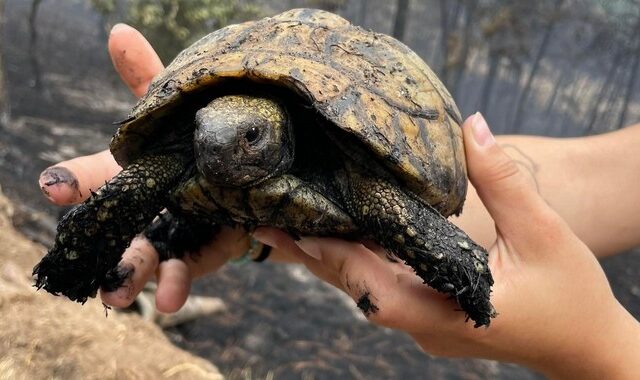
[[508, 194], [281, 241], [292, 253], [228, 243], [72, 181], [174, 285], [319, 269], [277, 239], [381, 293], [139, 262], [133, 58], [175, 276], [287, 248]]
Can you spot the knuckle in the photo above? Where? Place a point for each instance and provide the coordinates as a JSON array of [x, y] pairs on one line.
[[551, 226], [502, 170]]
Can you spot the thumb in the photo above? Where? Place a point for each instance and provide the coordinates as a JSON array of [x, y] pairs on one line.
[[133, 58], [505, 191]]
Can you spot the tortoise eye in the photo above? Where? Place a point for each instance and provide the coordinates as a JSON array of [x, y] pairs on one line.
[[252, 135]]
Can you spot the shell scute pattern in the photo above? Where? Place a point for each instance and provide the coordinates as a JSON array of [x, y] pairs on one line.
[[369, 85]]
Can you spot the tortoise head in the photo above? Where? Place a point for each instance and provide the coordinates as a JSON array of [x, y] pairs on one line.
[[241, 140]]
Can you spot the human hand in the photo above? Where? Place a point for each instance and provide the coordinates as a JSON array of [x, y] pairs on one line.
[[557, 313], [71, 182]]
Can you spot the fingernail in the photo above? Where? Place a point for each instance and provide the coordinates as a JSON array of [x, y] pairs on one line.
[[57, 176], [119, 280], [481, 132], [118, 26], [125, 291], [310, 246], [264, 238]]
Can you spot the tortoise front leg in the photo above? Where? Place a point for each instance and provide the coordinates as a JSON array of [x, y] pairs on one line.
[[93, 236], [439, 252]]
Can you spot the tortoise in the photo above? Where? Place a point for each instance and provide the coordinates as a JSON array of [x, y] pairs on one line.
[[300, 121]]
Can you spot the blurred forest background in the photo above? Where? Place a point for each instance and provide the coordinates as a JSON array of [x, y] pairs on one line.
[[554, 67], [548, 67]]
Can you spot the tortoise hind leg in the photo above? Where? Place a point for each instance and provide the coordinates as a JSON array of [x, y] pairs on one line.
[[173, 235], [439, 252]]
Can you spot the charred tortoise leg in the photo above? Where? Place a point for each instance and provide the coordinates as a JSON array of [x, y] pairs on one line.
[[173, 235], [439, 252], [92, 237]]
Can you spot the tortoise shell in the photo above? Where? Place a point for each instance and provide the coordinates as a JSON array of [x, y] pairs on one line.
[[368, 84]]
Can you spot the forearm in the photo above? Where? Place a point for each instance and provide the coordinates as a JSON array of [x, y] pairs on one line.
[[592, 182], [609, 352]]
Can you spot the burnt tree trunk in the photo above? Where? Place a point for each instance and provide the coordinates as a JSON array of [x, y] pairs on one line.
[[4, 98], [635, 67], [33, 40], [559, 83], [461, 62], [400, 23], [487, 87], [612, 105], [602, 92], [535, 66], [514, 75], [444, 40], [570, 108], [362, 13]]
